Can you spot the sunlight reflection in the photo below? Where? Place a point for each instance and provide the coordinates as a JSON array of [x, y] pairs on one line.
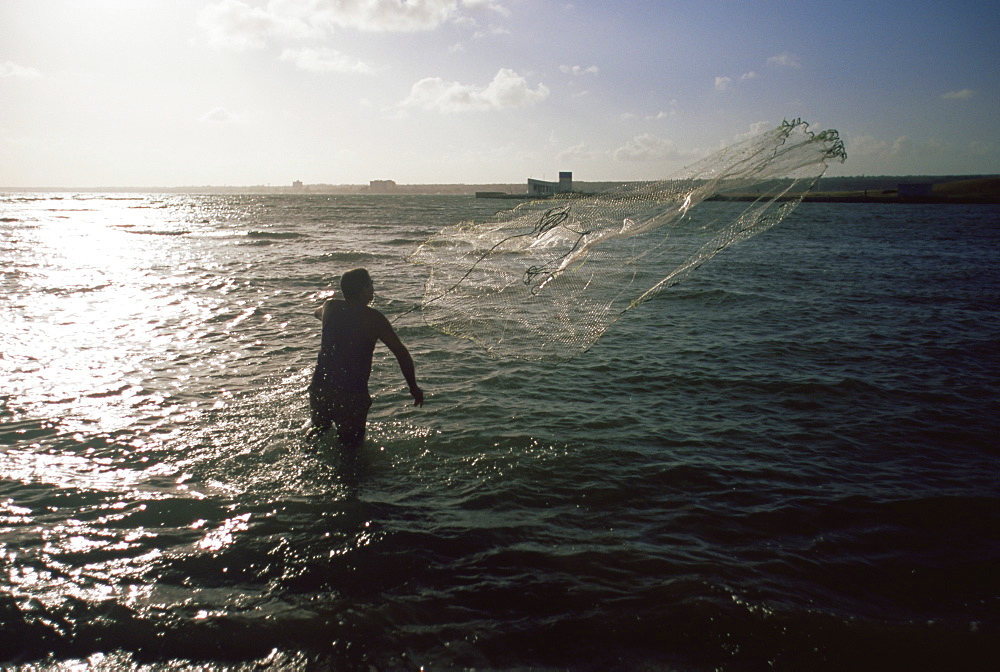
[[67, 470], [88, 307], [224, 535]]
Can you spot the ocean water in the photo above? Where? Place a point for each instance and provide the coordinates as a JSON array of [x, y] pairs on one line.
[[788, 462]]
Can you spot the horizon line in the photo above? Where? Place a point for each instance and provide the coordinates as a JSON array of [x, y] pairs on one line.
[[303, 186]]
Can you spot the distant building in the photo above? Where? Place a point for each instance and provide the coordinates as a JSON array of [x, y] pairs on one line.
[[543, 188], [381, 186], [297, 185]]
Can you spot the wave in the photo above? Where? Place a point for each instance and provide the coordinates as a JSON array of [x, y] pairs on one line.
[[353, 256], [12, 433], [182, 232], [276, 235], [104, 197]]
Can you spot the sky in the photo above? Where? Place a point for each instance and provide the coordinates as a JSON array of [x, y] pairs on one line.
[[144, 93]]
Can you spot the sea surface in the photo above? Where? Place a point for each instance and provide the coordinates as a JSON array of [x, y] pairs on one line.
[[787, 462]]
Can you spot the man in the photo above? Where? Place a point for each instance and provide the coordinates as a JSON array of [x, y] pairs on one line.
[[339, 390]]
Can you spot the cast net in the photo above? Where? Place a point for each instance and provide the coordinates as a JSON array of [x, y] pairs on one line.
[[546, 279]]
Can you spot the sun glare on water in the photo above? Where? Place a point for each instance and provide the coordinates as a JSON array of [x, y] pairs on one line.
[[82, 316]]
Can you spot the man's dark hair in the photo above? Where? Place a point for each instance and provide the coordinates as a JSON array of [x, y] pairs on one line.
[[353, 283]]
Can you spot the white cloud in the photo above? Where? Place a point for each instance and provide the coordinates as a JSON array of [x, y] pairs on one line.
[[756, 128], [962, 94], [219, 115], [490, 5], [232, 24], [784, 60], [239, 25], [324, 60], [865, 145], [665, 114], [507, 90], [577, 70], [902, 146], [723, 83], [492, 30], [388, 15], [868, 146], [15, 71], [576, 153], [647, 147]]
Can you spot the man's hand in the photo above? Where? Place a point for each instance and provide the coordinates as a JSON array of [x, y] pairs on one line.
[[418, 396]]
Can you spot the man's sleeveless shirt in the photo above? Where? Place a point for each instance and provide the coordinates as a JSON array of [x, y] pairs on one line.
[[345, 354]]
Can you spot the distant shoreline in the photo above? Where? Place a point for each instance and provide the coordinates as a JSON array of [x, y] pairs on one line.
[[863, 189], [980, 190]]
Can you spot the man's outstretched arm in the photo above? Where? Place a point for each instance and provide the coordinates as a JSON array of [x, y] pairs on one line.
[[387, 335]]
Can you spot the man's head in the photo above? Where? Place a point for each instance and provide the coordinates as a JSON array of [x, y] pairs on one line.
[[354, 283]]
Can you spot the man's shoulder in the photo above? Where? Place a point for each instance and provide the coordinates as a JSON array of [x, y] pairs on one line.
[[375, 314], [377, 323], [332, 303]]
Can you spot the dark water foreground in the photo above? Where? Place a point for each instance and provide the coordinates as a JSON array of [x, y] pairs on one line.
[[788, 462]]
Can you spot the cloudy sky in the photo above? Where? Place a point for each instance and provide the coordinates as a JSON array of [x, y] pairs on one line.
[[255, 92]]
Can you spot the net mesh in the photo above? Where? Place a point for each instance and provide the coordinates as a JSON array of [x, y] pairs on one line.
[[546, 279]]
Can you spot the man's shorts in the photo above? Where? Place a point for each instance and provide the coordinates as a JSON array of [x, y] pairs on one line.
[[347, 410]]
